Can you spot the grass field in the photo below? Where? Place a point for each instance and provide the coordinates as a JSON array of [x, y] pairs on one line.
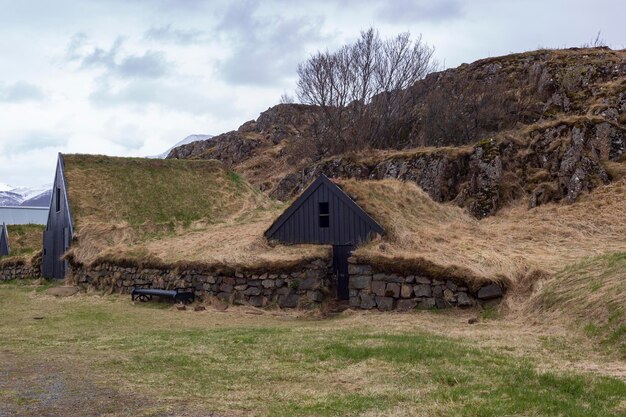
[[101, 355]]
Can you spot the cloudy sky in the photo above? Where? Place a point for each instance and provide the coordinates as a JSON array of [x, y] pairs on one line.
[[133, 77]]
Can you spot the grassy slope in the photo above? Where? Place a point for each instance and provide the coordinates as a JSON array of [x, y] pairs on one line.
[[176, 210], [139, 190], [220, 218], [25, 239], [590, 293], [511, 246], [278, 365]]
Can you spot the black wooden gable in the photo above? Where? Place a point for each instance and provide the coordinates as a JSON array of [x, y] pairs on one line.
[[324, 214], [59, 230], [5, 248]]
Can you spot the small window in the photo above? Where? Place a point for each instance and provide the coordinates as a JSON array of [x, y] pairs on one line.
[[58, 199], [324, 215]]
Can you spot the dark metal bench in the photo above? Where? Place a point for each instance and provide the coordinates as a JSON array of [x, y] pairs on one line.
[[145, 292]]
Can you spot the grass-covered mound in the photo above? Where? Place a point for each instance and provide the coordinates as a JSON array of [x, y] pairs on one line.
[[140, 191], [591, 294], [25, 241], [198, 211], [127, 209]]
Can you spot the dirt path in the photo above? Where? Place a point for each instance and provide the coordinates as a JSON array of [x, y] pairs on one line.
[[42, 388]]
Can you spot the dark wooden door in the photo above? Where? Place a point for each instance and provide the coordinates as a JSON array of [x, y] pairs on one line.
[[341, 253]]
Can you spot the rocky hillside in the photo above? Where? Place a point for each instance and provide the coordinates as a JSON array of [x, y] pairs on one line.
[[543, 126]]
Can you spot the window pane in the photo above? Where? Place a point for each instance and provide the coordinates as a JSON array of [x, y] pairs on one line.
[[324, 214], [324, 221]]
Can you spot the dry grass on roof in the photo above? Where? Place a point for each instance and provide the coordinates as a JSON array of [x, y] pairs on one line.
[[515, 245], [235, 242], [25, 239], [174, 210]]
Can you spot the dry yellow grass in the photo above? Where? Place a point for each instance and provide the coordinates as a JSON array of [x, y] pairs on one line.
[[514, 246], [170, 211], [235, 242], [25, 239]]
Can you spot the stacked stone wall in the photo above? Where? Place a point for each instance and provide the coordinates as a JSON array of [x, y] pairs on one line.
[[19, 268], [302, 286], [370, 289], [306, 285]]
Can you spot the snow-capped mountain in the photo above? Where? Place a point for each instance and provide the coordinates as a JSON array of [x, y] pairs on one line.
[[188, 139], [8, 198], [30, 192], [25, 196], [39, 200]]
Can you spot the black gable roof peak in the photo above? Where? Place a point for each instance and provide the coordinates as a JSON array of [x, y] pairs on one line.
[[347, 222]]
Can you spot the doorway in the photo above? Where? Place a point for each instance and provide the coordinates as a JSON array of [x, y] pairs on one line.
[[341, 253]]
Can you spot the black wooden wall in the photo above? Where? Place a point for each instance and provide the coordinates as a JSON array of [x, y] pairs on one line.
[[348, 224], [5, 248], [59, 230]]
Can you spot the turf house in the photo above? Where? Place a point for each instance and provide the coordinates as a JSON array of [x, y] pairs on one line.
[[118, 223]]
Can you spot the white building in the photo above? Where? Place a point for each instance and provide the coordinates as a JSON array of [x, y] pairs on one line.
[[24, 215]]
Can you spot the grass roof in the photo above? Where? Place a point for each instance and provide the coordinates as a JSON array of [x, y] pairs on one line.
[[514, 247], [134, 209], [25, 239], [140, 190]]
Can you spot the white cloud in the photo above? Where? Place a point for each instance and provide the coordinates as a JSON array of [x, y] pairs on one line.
[[20, 91], [167, 33], [149, 64]]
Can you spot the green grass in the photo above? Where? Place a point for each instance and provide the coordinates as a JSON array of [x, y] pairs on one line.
[[25, 239], [591, 293], [271, 366], [153, 191]]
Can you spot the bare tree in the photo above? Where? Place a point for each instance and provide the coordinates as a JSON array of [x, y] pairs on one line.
[[459, 110], [362, 88], [286, 99]]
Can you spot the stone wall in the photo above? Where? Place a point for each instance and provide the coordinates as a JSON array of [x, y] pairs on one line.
[[302, 286], [385, 291], [19, 268], [306, 285]]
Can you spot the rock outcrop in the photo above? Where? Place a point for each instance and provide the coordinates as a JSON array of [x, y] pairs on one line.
[[281, 122], [550, 121], [551, 163]]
